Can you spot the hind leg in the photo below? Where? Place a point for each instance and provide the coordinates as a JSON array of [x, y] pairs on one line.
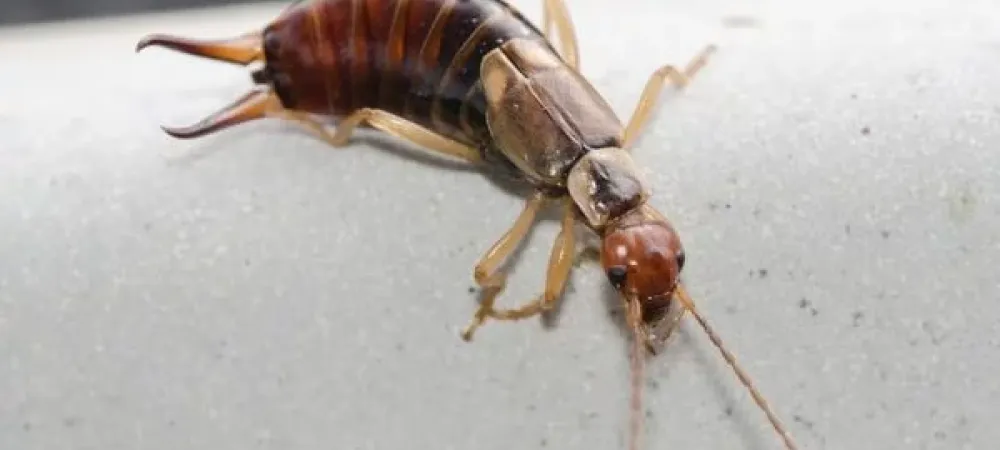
[[386, 122]]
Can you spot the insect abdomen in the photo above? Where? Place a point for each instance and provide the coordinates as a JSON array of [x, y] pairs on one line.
[[418, 59]]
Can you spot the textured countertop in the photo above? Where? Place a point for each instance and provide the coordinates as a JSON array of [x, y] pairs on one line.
[[834, 173]]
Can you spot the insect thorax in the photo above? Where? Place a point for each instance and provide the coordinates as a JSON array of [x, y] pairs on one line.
[[605, 184]]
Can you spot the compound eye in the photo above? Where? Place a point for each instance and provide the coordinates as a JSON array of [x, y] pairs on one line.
[[680, 261], [617, 275]]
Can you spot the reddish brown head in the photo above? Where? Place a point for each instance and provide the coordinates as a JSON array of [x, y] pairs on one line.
[[643, 257]]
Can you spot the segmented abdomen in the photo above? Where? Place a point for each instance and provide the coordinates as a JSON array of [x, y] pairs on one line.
[[418, 59]]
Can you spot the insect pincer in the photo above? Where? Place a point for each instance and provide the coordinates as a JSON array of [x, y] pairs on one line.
[[241, 50]]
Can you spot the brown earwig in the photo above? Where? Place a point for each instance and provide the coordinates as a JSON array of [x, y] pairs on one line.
[[474, 80]]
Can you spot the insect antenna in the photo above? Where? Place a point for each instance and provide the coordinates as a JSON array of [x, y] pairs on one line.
[[637, 362], [682, 295], [241, 50]]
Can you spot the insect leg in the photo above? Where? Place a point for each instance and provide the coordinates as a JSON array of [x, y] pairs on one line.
[[556, 13], [389, 123], [560, 264], [487, 274], [651, 92]]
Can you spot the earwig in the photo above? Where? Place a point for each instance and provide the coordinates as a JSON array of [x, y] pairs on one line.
[[475, 80]]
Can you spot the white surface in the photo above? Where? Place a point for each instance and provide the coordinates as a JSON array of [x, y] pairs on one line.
[[258, 289]]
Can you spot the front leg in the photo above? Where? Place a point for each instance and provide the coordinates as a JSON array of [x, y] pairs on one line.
[[651, 93], [556, 13], [560, 264]]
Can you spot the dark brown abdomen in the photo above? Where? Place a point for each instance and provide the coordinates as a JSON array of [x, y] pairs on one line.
[[418, 59]]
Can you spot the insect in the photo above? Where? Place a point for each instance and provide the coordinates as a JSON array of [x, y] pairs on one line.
[[476, 81]]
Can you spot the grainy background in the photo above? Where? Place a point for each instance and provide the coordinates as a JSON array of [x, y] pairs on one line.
[[21, 11], [833, 173]]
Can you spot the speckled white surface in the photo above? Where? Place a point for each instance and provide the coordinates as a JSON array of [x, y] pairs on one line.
[[833, 172]]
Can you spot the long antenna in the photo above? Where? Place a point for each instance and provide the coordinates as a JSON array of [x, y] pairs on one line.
[[683, 296], [637, 360]]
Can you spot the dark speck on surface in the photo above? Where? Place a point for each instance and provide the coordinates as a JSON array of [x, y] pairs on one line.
[[70, 422], [799, 419], [882, 373], [472, 289], [962, 206], [729, 411], [847, 229], [762, 273], [806, 304], [858, 315], [866, 131], [544, 442], [885, 234], [26, 426], [932, 331]]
